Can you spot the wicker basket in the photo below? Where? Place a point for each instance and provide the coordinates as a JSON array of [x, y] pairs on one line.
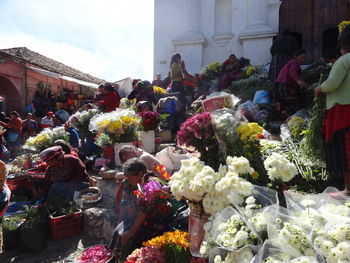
[[94, 190], [110, 174]]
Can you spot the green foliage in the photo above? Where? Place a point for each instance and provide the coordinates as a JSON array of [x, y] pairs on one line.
[[103, 140], [245, 88], [211, 72], [58, 206], [35, 215], [314, 71], [12, 223]]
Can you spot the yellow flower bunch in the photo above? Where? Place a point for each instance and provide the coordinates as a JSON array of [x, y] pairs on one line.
[[159, 90], [250, 70], [342, 26], [249, 132], [296, 125], [179, 238]]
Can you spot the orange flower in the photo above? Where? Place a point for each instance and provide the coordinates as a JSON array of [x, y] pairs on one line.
[[179, 238]]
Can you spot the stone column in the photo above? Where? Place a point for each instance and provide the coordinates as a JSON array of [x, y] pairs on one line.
[[257, 16], [190, 42]]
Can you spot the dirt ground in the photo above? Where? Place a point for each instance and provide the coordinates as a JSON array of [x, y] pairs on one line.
[[59, 251]]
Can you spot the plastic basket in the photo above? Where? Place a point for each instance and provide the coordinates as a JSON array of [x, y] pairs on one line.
[[66, 225]]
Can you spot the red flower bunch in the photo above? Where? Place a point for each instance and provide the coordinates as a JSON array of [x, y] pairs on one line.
[[161, 169], [150, 120], [195, 129], [146, 255]]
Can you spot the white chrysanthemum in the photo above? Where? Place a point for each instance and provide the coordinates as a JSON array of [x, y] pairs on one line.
[[239, 165], [279, 168]]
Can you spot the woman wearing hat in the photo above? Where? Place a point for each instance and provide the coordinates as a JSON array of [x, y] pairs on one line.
[[65, 173], [337, 121]]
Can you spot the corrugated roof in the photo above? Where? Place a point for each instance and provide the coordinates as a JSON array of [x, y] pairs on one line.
[[49, 64]]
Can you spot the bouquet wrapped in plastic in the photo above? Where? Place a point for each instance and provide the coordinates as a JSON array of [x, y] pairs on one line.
[[120, 125]]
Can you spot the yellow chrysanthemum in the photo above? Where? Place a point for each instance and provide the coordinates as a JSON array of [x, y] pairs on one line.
[[342, 25], [114, 126], [250, 70], [179, 238], [102, 124], [249, 132], [159, 90], [126, 120]]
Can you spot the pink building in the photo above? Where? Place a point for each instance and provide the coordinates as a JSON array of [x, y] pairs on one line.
[[27, 76]]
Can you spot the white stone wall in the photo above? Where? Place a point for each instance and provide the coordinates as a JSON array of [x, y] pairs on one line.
[[205, 31]]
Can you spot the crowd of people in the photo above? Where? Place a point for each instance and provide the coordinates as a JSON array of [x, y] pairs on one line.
[[66, 173]]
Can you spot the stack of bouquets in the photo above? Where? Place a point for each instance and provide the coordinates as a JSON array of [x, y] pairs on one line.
[[229, 230], [174, 244], [46, 138], [146, 255], [119, 125], [329, 220], [81, 119], [150, 120]]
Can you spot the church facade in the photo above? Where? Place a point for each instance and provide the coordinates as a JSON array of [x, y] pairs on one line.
[[206, 31]]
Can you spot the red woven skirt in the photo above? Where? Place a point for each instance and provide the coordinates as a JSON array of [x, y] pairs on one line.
[[337, 134]]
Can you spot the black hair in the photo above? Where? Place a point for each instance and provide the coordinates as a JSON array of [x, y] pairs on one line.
[[109, 87], [332, 53], [232, 55], [134, 166], [344, 40], [101, 86], [299, 52], [15, 113], [174, 58], [64, 145]]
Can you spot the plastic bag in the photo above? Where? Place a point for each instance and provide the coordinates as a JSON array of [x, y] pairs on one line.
[[250, 106], [277, 254], [285, 233], [171, 159], [262, 97], [213, 230], [244, 256]]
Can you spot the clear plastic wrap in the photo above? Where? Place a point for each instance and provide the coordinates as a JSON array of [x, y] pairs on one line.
[[285, 233], [220, 255], [232, 239], [269, 253]]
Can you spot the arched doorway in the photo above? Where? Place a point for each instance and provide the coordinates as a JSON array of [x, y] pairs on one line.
[[12, 99], [329, 39]]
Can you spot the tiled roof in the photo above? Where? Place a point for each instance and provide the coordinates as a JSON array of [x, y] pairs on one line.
[[49, 64]]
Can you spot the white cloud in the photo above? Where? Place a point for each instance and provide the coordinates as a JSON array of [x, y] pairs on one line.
[[110, 39]]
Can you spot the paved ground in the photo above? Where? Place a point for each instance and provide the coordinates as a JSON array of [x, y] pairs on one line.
[[59, 251]]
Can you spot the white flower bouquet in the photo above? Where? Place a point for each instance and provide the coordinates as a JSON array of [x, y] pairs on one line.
[[269, 253], [46, 139], [279, 168], [81, 119], [285, 233], [219, 255], [120, 125], [229, 230]]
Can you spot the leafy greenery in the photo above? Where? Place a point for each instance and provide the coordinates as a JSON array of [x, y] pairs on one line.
[[245, 88], [35, 215], [58, 206], [12, 223], [103, 140]]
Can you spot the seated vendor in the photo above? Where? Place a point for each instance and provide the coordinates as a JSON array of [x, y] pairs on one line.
[[127, 152], [142, 219], [65, 173]]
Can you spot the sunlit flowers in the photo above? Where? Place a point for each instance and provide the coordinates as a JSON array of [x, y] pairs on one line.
[[279, 168]]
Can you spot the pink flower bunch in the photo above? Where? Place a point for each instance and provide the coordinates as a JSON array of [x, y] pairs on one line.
[[96, 254], [146, 255], [197, 127], [152, 190], [150, 120]]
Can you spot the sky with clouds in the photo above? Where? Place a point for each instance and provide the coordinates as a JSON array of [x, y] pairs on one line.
[[110, 39]]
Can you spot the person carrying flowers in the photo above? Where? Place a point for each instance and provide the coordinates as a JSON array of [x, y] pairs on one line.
[[142, 205], [65, 173], [337, 121]]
